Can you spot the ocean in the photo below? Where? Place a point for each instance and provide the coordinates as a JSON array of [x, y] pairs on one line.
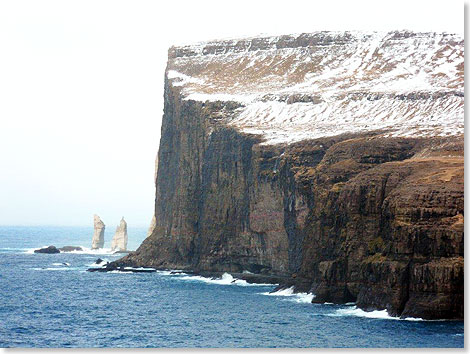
[[50, 300]]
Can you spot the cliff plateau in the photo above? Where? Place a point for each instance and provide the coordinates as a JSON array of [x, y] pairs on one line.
[[333, 160]]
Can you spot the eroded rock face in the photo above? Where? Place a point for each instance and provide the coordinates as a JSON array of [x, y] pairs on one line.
[[98, 235], [153, 223], [372, 215], [119, 242]]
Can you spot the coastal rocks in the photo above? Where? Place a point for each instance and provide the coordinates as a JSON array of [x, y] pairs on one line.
[[119, 242], [70, 249], [48, 250], [98, 235], [111, 267], [54, 249]]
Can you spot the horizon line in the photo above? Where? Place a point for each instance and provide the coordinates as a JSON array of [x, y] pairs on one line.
[[59, 225]]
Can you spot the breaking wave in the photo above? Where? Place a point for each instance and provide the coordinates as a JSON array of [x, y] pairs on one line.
[[85, 250], [377, 314], [226, 279], [303, 298]]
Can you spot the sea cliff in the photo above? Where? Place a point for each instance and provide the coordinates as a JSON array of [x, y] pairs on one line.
[[332, 161]]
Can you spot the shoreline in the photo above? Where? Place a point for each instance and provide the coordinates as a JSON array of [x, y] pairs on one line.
[[297, 285]]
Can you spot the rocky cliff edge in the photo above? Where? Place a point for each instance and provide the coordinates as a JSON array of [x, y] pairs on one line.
[[333, 160]]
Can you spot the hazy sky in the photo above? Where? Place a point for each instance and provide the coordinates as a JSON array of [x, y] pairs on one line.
[[81, 90]]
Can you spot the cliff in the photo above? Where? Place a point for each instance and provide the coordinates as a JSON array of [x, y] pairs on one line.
[[331, 160]]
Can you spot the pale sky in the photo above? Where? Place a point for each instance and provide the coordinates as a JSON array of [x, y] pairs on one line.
[[81, 90]]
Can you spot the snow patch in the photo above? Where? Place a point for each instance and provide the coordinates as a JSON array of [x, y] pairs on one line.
[[407, 85]]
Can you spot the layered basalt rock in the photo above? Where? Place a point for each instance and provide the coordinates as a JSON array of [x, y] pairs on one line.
[[361, 200]]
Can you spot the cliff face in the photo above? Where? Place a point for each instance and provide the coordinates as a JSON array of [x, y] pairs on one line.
[[334, 160]]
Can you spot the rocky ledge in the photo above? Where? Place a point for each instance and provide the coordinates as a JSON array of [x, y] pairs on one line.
[[48, 250], [54, 249], [331, 161]]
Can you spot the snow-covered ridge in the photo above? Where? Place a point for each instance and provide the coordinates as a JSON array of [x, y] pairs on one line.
[[327, 83]]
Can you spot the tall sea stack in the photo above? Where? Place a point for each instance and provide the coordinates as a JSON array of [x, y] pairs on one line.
[[119, 242], [331, 159], [98, 235]]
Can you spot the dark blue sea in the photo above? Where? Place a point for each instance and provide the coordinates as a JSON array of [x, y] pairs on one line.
[[51, 301]]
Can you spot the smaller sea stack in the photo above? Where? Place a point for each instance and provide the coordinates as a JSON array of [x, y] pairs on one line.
[[119, 242]]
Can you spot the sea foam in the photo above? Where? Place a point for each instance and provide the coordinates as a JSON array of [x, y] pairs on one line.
[[303, 298], [377, 314], [226, 279], [85, 250]]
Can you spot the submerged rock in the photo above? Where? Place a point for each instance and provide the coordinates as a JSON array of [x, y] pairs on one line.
[[119, 242], [70, 248], [98, 235], [50, 250]]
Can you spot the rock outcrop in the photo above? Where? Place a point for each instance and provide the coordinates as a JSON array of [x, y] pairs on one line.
[[70, 248], [119, 242], [48, 250], [98, 235], [333, 161]]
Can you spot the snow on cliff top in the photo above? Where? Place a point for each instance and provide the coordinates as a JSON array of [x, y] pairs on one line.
[[327, 83]]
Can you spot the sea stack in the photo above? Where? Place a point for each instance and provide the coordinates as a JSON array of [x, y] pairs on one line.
[[98, 235], [119, 242]]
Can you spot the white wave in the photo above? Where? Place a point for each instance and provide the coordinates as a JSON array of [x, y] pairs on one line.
[[61, 264], [55, 268], [226, 279], [377, 314], [140, 268], [85, 250], [173, 273], [99, 251], [282, 292], [303, 298]]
